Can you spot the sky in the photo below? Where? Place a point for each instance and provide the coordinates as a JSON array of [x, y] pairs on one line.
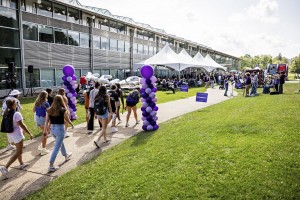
[[235, 27]]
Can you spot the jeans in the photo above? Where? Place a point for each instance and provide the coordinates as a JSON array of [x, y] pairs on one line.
[[253, 89], [280, 88], [226, 90], [91, 119], [58, 132]]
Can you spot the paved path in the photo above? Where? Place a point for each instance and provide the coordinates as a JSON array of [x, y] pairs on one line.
[[36, 176]]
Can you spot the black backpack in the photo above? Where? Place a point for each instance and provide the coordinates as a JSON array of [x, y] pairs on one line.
[[7, 125], [133, 97], [100, 105]]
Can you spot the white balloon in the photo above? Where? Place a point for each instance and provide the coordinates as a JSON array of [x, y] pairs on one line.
[[69, 78]]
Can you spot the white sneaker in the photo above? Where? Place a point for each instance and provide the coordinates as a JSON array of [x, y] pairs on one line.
[[68, 156], [126, 125], [9, 147], [114, 129], [52, 169], [67, 135], [4, 172], [44, 151], [23, 166], [40, 148]]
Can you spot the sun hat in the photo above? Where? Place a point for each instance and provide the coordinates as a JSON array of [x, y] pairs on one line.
[[14, 92]]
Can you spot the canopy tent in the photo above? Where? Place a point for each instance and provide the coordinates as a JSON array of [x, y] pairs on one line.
[[166, 56], [214, 63], [203, 62], [198, 63]]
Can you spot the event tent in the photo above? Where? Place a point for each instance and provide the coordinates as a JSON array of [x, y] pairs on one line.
[[214, 63], [166, 56], [203, 62]]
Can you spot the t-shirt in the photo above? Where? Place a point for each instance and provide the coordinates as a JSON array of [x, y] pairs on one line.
[[82, 80], [113, 99], [41, 110], [17, 117], [4, 106], [93, 94], [248, 80], [58, 119], [50, 100]]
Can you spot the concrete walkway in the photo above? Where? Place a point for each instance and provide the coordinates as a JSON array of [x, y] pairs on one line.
[[36, 176]]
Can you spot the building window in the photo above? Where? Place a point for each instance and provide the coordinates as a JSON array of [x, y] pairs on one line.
[[34, 81], [140, 49], [84, 40], [121, 28], [127, 47], [47, 78], [23, 5], [34, 8], [9, 37], [146, 50], [6, 56], [8, 17], [139, 34], [59, 12], [121, 46], [45, 8], [58, 80], [113, 26], [104, 43], [45, 34], [13, 4], [73, 15], [73, 38], [61, 36], [30, 31], [113, 44], [96, 42], [135, 48], [103, 24], [114, 73]]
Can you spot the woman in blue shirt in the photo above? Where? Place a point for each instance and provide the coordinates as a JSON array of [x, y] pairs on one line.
[[40, 107]]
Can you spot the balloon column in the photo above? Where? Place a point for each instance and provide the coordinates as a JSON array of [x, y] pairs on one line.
[[70, 85], [148, 90]]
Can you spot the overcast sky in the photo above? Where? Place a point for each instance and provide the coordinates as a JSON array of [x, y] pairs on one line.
[[236, 27]]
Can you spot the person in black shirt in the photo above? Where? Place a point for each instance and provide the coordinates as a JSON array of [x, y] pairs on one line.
[[121, 99], [114, 98], [281, 82], [50, 98]]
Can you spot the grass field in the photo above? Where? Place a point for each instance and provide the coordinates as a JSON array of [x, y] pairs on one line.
[[243, 148], [27, 104]]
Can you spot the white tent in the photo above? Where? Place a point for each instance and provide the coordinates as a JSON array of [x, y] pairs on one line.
[[166, 56], [214, 63], [189, 59], [203, 62]]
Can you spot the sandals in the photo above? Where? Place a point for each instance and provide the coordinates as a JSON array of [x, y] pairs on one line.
[[97, 145], [106, 141]]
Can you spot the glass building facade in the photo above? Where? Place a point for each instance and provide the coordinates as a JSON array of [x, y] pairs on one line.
[[49, 35]]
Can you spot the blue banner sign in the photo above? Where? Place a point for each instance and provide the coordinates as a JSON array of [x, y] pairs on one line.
[[201, 97], [184, 88]]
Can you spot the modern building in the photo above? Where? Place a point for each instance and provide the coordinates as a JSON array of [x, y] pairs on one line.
[[50, 34]]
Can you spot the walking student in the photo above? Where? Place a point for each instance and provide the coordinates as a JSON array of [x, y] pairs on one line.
[[92, 96], [114, 98], [121, 100], [40, 107], [61, 92], [102, 109], [16, 136], [131, 101], [56, 117]]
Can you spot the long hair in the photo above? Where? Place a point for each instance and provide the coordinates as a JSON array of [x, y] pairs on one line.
[[57, 106], [9, 105], [61, 91], [41, 99], [102, 92]]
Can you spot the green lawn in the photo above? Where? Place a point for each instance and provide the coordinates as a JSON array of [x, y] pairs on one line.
[[27, 104], [243, 148]]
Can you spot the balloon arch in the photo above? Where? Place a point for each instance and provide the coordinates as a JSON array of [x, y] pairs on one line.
[[69, 80]]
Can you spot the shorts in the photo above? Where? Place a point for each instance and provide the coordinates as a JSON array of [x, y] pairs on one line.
[[39, 121], [15, 137], [118, 104], [130, 104], [105, 116]]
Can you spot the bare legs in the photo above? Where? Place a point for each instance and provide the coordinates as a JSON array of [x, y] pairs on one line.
[[103, 131], [17, 155], [129, 109]]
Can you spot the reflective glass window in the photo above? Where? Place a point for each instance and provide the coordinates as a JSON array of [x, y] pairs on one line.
[[45, 8], [140, 34], [30, 31], [59, 12], [34, 81], [146, 51], [73, 15], [73, 38], [47, 78], [104, 43], [113, 44], [104, 71], [104, 24], [9, 55], [121, 28], [84, 40], [121, 74], [127, 47], [23, 5], [121, 46], [8, 17], [61, 36], [96, 41], [135, 48], [45, 34], [34, 8], [113, 26], [140, 49], [58, 75], [9, 37], [114, 73]]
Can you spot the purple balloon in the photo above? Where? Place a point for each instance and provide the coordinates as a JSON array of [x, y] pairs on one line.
[[145, 95], [143, 109], [155, 118], [146, 123], [144, 118], [155, 108], [144, 128], [152, 95], [64, 78], [142, 81], [150, 86], [67, 83], [149, 100], [142, 90], [148, 81], [155, 127], [74, 94], [154, 89], [152, 105], [145, 114], [149, 118], [149, 109], [149, 128], [154, 99], [147, 71], [153, 123], [74, 77], [68, 70]]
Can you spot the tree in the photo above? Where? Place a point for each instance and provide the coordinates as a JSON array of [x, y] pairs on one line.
[[295, 65], [265, 60]]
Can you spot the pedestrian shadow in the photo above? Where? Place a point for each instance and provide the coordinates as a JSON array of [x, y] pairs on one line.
[[88, 156]]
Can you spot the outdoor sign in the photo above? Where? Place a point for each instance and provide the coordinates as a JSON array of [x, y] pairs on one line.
[[184, 88], [282, 67], [272, 69], [201, 97]]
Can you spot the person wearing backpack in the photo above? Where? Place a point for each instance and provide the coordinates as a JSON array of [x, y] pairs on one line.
[[114, 98], [102, 109], [121, 100], [40, 107], [14, 94], [16, 136], [92, 95], [131, 101]]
